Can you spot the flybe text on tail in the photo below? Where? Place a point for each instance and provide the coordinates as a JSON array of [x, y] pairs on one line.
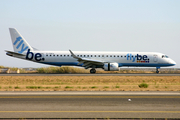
[[20, 43]]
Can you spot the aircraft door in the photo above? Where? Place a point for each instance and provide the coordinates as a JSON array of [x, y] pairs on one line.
[[155, 58]]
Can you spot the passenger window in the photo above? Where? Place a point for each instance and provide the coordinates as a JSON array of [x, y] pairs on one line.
[[110, 55], [87, 55], [94, 55], [114, 56], [118, 56], [124, 56], [46, 55], [106, 55], [64, 55], [53, 55], [80, 55], [121, 56], [57, 55], [84, 55], [99, 55]]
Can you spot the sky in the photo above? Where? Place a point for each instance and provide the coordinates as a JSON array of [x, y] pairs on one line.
[[91, 25]]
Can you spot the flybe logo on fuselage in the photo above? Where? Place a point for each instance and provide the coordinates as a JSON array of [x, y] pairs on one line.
[[36, 56], [20, 43], [139, 58]]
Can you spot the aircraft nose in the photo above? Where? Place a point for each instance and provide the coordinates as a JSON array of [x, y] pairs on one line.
[[172, 62]]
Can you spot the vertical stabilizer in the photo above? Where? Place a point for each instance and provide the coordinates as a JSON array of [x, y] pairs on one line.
[[20, 45]]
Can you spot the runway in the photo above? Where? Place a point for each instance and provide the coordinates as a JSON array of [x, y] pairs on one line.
[[90, 104], [109, 74]]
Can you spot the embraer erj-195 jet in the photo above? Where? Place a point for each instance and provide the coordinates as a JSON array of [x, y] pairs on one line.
[[109, 61]]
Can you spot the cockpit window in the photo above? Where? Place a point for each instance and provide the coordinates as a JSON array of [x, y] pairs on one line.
[[165, 56]]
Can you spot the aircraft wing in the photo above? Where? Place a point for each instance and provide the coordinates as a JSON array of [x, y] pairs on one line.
[[87, 63]]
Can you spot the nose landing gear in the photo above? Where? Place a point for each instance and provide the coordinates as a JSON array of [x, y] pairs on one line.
[[157, 69]]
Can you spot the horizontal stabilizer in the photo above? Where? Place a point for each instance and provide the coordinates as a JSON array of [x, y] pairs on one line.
[[10, 53]]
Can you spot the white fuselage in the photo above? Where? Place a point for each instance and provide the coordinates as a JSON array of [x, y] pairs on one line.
[[136, 59]]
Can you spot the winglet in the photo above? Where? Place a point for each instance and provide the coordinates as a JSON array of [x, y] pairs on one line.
[[74, 56]]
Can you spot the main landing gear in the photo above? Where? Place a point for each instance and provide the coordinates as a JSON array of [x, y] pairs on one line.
[[93, 70], [157, 69]]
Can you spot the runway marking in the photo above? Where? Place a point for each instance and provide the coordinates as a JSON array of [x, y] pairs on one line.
[[89, 96], [91, 111]]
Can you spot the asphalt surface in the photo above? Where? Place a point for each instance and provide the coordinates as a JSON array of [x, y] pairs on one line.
[[89, 104], [109, 74]]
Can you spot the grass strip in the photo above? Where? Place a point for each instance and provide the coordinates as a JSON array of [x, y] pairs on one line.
[[86, 83]]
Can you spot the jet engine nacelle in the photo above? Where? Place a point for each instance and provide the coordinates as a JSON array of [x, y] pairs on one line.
[[111, 67]]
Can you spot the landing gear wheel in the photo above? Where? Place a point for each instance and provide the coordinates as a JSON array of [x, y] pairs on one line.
[[93, 71], [157, 70]]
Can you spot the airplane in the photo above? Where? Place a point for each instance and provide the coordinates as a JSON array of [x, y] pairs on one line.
[[108, 61]]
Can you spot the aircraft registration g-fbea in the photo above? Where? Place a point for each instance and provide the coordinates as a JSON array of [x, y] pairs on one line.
[[108, 61]]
